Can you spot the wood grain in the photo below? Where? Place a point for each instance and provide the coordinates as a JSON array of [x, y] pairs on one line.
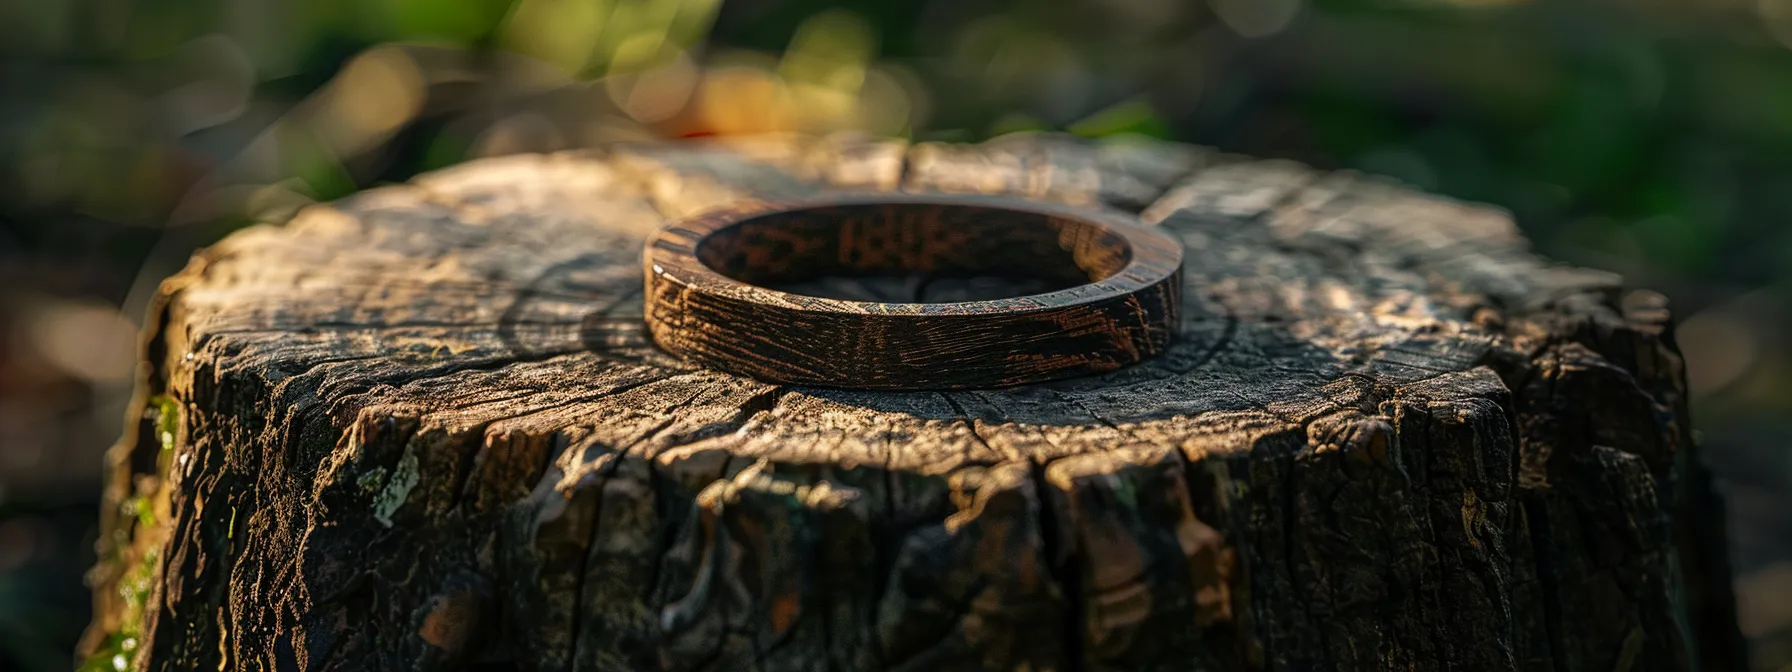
[[424, 428], [1112, 292]]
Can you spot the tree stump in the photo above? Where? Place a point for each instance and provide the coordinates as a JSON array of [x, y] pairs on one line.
[[423, 428]]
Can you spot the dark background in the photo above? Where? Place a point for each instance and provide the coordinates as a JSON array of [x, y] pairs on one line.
[[1651, 137]]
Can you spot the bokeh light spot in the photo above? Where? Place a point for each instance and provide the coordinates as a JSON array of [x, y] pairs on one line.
[[1720, 348], [91, 341], [1256, 18]]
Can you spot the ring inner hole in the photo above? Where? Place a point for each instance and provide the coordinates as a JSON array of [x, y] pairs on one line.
[[913, 252]]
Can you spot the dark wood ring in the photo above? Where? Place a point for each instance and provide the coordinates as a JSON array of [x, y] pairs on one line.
[[707, 300]]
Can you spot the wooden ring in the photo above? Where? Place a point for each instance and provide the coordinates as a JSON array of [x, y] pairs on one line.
[[1119, 303]]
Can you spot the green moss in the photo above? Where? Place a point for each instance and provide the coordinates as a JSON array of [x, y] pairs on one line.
[[112, 656], [167, 420], [141, 509], [135, 589], [115, 654]]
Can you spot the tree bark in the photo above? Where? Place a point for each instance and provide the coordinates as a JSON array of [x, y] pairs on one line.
[[422, 428]]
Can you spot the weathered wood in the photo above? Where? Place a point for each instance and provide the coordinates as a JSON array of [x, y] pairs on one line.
[[422, 428], [720, 291]]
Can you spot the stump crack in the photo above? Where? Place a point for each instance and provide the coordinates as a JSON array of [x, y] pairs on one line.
[[1057, 545]]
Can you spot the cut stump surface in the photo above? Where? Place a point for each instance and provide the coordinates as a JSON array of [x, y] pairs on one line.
[[423, 428]]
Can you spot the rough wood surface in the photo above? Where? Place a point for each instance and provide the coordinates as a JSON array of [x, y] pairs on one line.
[[1106, 291], [421, 428]]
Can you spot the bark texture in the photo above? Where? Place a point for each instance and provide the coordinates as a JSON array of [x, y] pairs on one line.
[[422, 428]]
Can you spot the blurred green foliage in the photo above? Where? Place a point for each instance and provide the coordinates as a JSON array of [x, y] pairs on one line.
[[1653, 138]]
